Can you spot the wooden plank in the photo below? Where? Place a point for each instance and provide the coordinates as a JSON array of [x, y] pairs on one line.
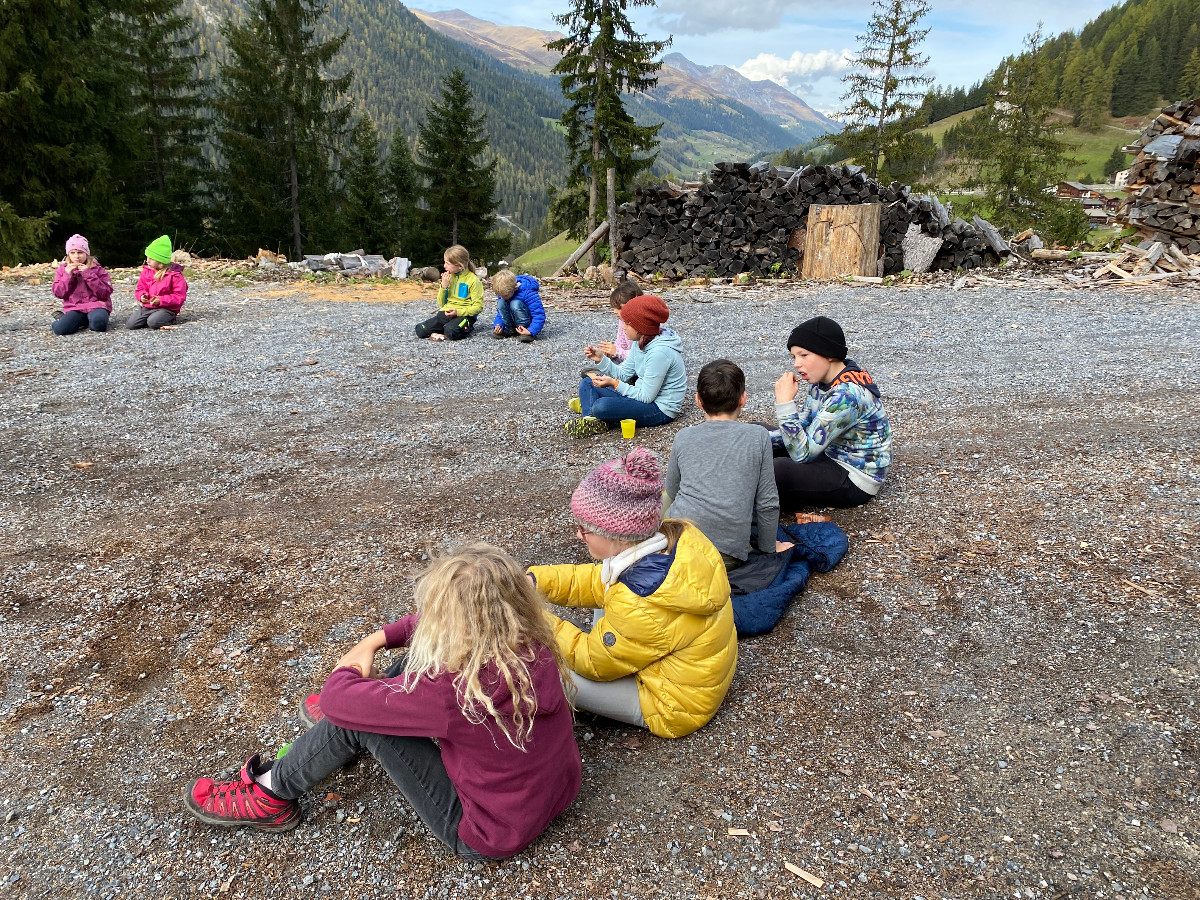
[[1060, 255], [842, 240]]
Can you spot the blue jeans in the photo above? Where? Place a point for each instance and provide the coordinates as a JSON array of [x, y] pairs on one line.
[[609, 406], [513, 313], [72, 321]]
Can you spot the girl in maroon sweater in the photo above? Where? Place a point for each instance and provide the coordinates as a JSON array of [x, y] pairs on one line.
[[482, 675]]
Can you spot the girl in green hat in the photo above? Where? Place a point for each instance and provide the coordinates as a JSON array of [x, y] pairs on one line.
[[160, 290]]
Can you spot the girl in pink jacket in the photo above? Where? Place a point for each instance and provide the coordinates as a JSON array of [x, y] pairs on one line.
[[84, 288], [160, 290]]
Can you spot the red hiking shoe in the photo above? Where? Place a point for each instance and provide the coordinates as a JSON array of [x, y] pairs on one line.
[[310, 711], [241, 802]]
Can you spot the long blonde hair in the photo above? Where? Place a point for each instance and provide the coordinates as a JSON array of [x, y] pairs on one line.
[[459, 255], [478, 608]]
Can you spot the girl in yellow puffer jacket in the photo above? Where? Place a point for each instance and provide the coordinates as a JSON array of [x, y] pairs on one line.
[[662, 649]]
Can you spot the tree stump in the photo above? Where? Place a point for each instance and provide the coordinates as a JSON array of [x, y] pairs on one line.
[[842, 240]]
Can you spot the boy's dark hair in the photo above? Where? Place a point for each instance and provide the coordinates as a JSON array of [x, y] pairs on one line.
[[623, 293], [720, 386]]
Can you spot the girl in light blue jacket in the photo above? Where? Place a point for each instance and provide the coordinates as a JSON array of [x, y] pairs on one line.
[[656, 359]]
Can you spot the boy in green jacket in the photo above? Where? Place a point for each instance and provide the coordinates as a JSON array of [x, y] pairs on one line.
[[460, 299]]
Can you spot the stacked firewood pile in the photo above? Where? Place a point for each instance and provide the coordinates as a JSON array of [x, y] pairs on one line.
[[753, 219], [1164, 181]]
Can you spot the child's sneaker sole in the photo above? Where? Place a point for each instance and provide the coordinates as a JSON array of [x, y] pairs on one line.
[[575, 406], [310, 711], [586, 427]]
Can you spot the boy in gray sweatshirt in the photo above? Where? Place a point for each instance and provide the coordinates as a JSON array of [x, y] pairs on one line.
[[721, 472]]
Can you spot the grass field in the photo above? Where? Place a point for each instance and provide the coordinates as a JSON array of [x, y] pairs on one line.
[[545, 260], [1091, 149]]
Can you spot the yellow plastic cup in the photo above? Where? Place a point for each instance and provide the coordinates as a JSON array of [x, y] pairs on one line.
[[628, 426]]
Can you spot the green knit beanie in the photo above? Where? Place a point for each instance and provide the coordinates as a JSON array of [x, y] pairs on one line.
[[160, 250]]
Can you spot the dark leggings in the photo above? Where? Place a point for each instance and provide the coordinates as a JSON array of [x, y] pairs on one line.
[[73, 320], [821, 482], [414, 763], [455, 329]]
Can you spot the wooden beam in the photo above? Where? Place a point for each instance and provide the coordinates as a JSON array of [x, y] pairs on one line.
[[601, 230]]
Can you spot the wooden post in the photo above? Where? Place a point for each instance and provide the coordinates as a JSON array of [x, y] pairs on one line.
[[614, 231], [587, 245], [842, 240]]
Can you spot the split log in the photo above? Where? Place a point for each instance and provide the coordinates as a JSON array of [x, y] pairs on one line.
[[992, 236], [842, 240]]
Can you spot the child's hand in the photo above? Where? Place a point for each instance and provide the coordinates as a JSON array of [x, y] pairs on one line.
[[450, 311], [446, 279], [786, 388], [780, 546], [608, 348], [362, 655], [604, 381], [521, 329], [498, 329], [592, 353]]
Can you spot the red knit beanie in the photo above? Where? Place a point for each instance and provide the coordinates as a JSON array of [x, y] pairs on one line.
[[622, 498], [645, 314]]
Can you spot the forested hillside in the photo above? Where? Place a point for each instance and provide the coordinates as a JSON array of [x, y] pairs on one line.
[[399, 64]]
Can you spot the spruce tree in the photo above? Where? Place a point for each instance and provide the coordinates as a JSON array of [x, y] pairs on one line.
[[402, 191], [603, 57], [460, 189], [1014, 151], [1189, 79], [885, 86], [172, 116], [1115, 163], [366, 216], [66, 129], [280, 118], [1097, 98]]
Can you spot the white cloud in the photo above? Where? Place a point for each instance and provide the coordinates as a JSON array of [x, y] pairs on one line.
[[798, 71]]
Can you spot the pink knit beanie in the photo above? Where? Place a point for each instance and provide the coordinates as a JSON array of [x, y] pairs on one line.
[[78, 242], [622, 498]]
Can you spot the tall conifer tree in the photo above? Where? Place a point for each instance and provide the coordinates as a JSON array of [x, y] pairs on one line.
[[602, 58], [460, 189], [66, 130], [172, 116], [402, 189], [1014, 151], [280, 119], [367, 220], [886, 86], [1189, 79]]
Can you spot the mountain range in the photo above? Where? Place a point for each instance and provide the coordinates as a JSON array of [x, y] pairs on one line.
[[679, 79]]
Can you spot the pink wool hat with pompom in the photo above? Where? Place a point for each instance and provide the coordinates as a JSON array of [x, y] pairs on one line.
[[622, 498], [78, 242]]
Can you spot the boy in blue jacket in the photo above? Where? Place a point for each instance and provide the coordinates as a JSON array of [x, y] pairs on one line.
[[519, 307]]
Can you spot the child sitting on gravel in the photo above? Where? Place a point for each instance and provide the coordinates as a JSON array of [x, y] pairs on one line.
[[85, 289], [618, 349], [519, 307], [473, 725], [838, 441], [662, 648], [607, 394], [460, 299], [161, 288], [720, 475]]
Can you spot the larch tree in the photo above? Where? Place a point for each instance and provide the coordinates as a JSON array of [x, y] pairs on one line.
[[1188, 87], [459, 187], [603, 57], [280, 119], [886, 86]]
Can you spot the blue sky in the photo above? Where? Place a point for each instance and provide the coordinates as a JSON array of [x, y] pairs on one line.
[[803, 44]]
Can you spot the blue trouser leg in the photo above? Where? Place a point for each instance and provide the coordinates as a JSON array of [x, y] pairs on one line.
[[97, 320], [608, 405], [70, 323]]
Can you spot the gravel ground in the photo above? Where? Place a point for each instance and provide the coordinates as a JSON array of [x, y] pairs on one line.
[[993, 695]]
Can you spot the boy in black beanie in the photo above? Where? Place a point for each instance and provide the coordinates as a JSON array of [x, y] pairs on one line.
[[837, 437]]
